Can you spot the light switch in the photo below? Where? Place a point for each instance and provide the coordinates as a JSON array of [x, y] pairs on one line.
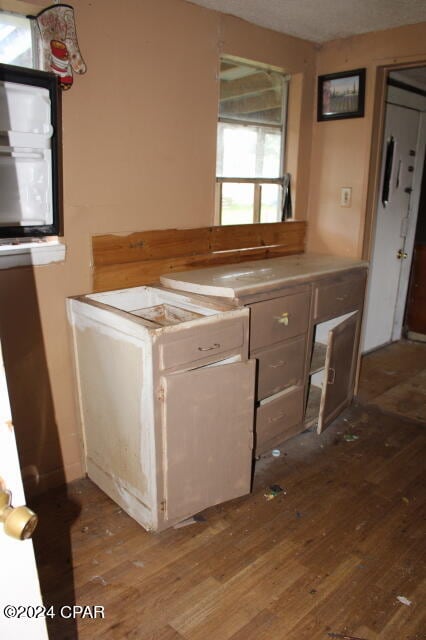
[[345, 196]]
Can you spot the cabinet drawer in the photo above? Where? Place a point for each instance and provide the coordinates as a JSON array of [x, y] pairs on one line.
[[276, 320], [202, 343], [332, 299], [280, 366], [279, 419]]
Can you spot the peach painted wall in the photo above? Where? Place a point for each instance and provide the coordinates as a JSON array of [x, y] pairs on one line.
[[139, 146], [341, 149]]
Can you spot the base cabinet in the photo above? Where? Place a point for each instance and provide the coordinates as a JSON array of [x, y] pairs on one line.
[[305, 340], [177, 391], [166, 401]]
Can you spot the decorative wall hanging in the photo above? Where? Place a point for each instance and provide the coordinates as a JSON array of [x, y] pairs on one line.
[[341, 95], [59, 46]]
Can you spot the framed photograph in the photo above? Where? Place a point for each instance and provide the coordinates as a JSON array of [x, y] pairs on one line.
[[341, 95]]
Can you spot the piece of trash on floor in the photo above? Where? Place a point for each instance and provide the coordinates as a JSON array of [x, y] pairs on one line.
[[313, 592], [299, 515], [99, 579], [350, 437], [343, 636], [273, 491], [276, 453], [139, 563], [406, 500], [189, 521], [404, 600]]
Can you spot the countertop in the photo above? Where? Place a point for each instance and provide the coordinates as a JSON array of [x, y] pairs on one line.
[[235, 280]]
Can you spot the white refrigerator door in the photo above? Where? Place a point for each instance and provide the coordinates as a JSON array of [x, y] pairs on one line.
[[25, 155]]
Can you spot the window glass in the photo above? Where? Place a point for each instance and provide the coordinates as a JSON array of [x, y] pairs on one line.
[[251, 94], [270, 208], [248, 151], [250, 142], [237, 203], [15, 40]]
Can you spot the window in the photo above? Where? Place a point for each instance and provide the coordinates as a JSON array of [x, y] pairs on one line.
[[250, 144], [16, 40]]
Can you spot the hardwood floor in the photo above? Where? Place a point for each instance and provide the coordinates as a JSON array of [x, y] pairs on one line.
[[327, 557]]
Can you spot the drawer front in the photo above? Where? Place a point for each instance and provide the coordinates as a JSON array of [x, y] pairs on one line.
[[279, 419], [275, 320], [202, 343], [339, 297], [280, 366]]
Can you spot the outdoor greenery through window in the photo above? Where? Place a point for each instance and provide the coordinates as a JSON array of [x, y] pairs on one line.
[[249, 171], [16, 40]]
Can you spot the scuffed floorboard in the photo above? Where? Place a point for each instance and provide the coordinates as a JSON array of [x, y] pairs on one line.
[[330, 554]]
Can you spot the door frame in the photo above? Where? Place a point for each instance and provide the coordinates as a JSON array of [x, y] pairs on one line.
[[375, 166], [378, 130]]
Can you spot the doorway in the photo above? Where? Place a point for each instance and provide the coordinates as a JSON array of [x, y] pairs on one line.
[[403, 150]]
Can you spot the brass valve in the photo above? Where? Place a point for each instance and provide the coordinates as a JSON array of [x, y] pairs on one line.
[[19, 522]]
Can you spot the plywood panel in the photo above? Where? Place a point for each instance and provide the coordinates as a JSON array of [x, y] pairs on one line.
[[140, 258]]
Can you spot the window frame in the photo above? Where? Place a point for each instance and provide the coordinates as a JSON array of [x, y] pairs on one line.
[[256, 182]]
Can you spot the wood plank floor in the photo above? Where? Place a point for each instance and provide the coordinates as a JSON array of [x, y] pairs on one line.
[[326, 558]]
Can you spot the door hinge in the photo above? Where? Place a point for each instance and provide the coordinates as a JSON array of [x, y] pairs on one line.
[[161, 393], [163, 506], [331, 375]]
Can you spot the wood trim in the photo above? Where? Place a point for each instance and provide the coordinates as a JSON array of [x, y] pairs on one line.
[[140, 258], [24, 8]]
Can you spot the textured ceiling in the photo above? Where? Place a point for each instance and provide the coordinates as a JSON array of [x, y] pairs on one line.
[[323, 20]]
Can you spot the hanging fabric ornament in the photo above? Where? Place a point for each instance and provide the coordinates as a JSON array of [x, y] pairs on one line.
[[59, 51]]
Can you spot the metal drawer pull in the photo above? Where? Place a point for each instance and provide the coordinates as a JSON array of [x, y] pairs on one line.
[[280, 363], [279, 417], [215, 346], [283, 318]]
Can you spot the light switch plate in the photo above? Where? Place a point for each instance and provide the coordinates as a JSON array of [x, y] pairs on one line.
[[346, 196]]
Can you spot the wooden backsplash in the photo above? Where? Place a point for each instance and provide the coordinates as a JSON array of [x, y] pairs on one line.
[[135, 259]]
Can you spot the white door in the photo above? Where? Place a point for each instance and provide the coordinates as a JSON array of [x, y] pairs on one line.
[[21, 610], [396, 217]]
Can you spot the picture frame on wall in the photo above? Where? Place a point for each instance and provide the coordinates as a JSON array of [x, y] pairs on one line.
[[341, 95]]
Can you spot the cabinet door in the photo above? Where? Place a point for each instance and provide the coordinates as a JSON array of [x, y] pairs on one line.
[[207, 437], [339, 370]]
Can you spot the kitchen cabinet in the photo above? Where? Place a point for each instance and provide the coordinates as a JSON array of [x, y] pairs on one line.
[[166, 396], [305, 322]]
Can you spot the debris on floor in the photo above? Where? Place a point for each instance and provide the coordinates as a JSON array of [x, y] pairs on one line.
[[276, 453], [99, 579], [273, 491], [406, 500], [404, 600], [139, 563], [350, 437], [188, 521]]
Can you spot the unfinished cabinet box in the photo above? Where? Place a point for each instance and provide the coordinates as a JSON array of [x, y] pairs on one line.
[[305, 319], [166, 396]]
